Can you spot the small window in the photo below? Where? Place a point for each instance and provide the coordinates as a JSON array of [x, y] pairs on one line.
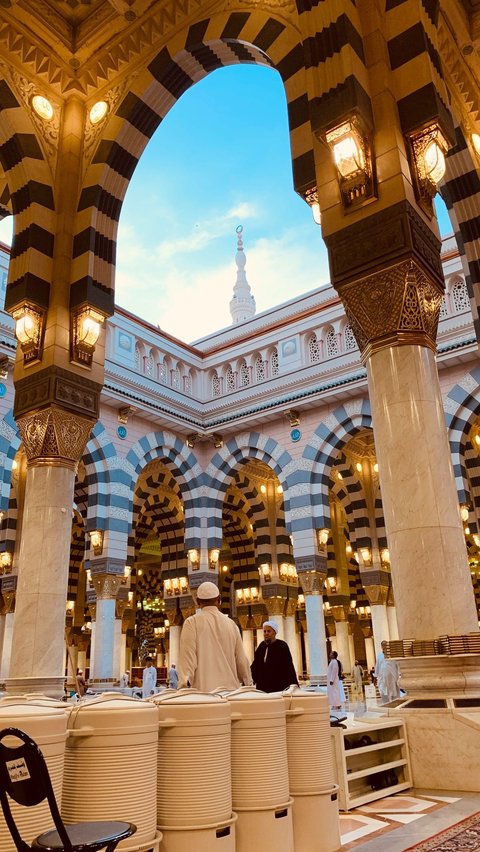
[[215, 385], [313, 350], [244, 375], [231, 380], [274, 363], [461, 302], [259, 370], [331, 343], [350, 342]]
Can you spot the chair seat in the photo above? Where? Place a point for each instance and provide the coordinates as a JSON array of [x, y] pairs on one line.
[[85, 835]]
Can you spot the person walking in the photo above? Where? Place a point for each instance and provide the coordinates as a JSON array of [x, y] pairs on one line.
[[80, 683], [358, 673], [149, 680], [272, 668], [334, 683], [211, 650], [387, 675], [173, 677]]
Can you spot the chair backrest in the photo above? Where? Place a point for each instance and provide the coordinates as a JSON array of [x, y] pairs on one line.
[[24, 777]]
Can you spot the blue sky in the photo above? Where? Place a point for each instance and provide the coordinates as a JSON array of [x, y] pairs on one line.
[[220, 158]]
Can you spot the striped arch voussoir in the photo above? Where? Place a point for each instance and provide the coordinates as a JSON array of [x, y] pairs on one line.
[[254, 37]]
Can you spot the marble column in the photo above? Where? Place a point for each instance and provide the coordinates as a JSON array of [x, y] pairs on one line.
[[343, 648], [316, 636], [106, 587], [174, 649], [431, 579], [53, 440], [291, 640], [380, 626], [247, 639], [393, 301], [312, 572], [392, 622], [370, 652], [9, 617]]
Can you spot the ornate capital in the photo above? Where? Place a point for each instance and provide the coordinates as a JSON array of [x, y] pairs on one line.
[[54, 436], [106, 586], [394, 307], [291, 606], [340, 612], [312, 582], [377, 595], [275, 605], [387, 271], [8, 602], [120, 607]]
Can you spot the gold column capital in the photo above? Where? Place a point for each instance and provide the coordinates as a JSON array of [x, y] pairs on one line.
[[8, 604], [54, 436], [377, 595], [106, 586], [394, 307], [312, 582]]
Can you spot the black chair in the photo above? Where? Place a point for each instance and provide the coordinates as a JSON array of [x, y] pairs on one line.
[[24, 778]]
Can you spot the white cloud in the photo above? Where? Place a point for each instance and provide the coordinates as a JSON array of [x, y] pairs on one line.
[[191, 299]]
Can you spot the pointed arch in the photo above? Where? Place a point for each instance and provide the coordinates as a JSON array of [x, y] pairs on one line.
[[254, 37]]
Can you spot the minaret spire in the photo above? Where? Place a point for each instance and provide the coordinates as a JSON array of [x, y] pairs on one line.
[[242, 305]]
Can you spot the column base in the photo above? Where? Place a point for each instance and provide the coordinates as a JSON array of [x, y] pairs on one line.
[[440, 675], [53, 687], [441, 711]]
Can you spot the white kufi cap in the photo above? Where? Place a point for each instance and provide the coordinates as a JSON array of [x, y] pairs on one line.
[[208, 591], [272, 624]]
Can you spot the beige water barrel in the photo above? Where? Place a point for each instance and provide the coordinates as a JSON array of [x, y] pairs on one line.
[[194, 803], [311, 772], [260, 786], [47, 725], [111, 765]]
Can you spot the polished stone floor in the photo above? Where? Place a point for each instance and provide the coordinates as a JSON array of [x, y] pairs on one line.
[[398, 822]]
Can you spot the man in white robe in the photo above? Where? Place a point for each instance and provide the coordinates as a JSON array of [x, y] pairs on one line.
[[387, 674], [334, 684], [211, 649], [149, 678]]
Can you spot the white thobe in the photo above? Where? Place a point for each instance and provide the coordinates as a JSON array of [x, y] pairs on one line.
[[149, 681], [334, 685], [211, 652]]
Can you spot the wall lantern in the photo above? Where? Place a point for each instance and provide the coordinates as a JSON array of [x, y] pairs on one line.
[[98, 112], [332, 583], [464, 513], [6, 562], [351, 150], [86, 325], [193, 558], [265, 572], [214, 557], [311, 197], [366, 556], [322, 540], [29, 328], [385, 556], [96, 542], [427, 151], [42, 107]]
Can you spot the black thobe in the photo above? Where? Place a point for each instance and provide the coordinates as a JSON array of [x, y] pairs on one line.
[[272, 667]]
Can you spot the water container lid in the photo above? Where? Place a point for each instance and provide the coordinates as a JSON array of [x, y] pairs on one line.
[[250, 693], [187, 696], [24, 709], [116, 711]]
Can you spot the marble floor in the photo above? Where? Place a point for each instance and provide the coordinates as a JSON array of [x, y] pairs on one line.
[[398, 822]]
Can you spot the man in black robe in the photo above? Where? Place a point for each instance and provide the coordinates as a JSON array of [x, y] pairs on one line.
[[272, 667]]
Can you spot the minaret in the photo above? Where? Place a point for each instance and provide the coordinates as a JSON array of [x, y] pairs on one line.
[[242, 305]]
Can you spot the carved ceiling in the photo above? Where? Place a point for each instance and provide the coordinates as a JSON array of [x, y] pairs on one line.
[[86, 47]]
